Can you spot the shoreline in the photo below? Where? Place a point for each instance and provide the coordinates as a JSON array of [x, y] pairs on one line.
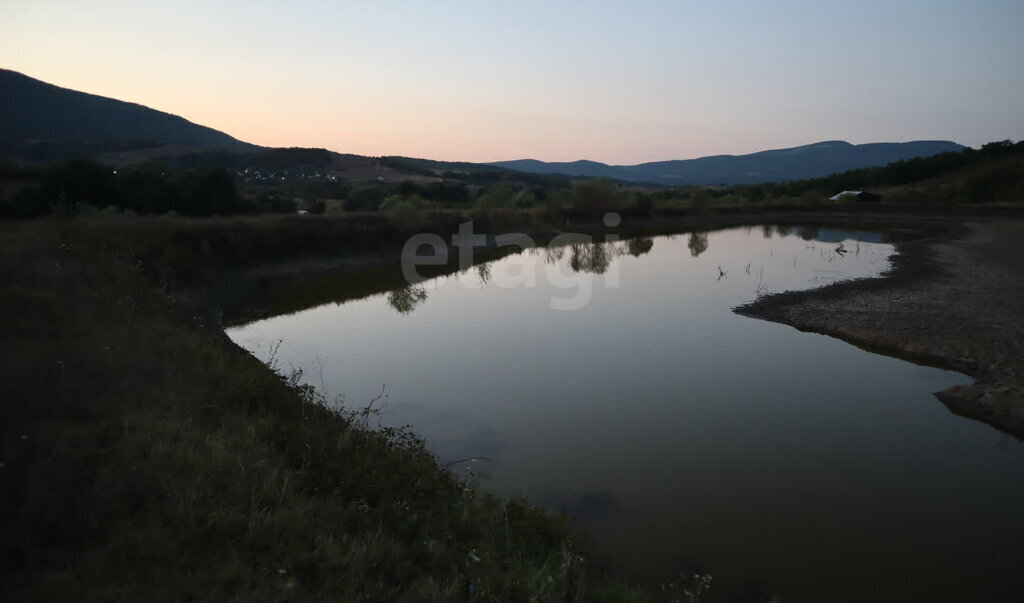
[[293, 269], [948, 300], [953, 301], [668, 221]]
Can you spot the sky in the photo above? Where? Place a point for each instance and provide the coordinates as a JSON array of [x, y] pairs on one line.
[[618, 82]]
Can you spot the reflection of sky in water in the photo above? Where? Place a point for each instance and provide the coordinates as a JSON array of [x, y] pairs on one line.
[[678, 430]]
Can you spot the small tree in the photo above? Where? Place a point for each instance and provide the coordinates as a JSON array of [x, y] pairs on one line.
[[499, 196], [598, 194], [525, 199], [403, 213]]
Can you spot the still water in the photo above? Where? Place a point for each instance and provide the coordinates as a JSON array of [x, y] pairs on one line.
[[682, 435]]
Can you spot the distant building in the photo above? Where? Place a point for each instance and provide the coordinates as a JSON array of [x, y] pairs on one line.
[[858, 196]]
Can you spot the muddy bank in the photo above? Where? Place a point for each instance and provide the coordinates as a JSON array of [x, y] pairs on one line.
[[955, 301]]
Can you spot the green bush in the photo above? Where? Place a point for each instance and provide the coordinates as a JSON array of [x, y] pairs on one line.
[[403, 213], [598, 195], [498, 197]]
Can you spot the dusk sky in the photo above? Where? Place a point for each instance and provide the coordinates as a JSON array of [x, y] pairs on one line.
[[622, 82]]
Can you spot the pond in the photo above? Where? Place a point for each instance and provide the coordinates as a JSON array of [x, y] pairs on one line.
[[682, 436]]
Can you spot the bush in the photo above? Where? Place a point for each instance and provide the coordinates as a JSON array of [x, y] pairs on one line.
[[598, 195], [499, 197], [525, 199], [403, 213], [365, 198]]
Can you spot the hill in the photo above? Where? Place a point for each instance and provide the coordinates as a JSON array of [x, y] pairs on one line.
[[992, 174], [779, 165], [41, 121], [41, 124], [44, 123]]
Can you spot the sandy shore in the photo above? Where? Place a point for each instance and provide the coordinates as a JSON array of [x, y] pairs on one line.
[[955, 302]]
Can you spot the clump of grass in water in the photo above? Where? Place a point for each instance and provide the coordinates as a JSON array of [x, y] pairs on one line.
[[761, 290]]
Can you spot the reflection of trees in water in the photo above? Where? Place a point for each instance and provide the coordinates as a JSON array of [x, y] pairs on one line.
[[406, 299], [639, 246], [809, 233], [553, 254], [483, 272], [596, 256], [592, 257], [781, 230], [698, 243]]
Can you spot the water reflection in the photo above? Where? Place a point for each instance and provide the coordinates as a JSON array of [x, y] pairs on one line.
[[639, 246], [591, 257], [586, 257], [244, 301], [405, 299], [698, 243], [683, 430], [809, 233], [248, 300], [483, 272]]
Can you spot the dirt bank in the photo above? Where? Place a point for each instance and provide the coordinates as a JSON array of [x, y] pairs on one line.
[[955, 302]]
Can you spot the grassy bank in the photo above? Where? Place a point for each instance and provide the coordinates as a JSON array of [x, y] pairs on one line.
[[146, 457]]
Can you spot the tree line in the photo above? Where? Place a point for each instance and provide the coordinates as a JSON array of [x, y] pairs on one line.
[[83, 186], [198, 185]]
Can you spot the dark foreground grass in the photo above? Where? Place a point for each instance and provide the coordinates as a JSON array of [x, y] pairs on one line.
[[147, 458]]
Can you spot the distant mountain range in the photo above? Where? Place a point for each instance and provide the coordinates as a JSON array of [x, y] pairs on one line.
[[32, 111], [809, 161], [43, 123]]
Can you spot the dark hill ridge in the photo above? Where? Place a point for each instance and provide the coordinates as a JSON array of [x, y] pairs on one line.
[[44, 123], [808, 161], [32, 110]]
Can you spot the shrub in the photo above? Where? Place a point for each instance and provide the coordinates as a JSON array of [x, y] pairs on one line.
[[598, 195], [498, 197]]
